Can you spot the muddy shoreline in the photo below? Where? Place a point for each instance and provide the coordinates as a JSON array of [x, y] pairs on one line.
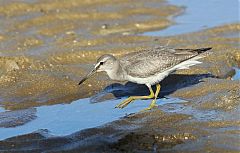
[[46, 47]]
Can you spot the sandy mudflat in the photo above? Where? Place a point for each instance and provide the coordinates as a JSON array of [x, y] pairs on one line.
[[47, 46]]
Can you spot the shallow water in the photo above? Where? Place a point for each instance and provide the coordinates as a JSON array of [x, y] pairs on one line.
[[200, 15], [1, 109], [64, 119], [237, 74]]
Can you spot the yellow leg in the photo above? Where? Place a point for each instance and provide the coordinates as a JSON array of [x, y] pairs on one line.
[[153, 103], [132, 98]]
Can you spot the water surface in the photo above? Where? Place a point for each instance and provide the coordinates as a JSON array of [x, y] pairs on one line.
[[237, 74], [200, 15], [64, 119], [1, 109]]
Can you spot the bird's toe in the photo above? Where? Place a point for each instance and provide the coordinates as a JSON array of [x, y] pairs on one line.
[[124, 103], [149, 108]]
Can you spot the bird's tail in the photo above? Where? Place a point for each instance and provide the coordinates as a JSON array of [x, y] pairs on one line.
[[201, 50], [199, 53]]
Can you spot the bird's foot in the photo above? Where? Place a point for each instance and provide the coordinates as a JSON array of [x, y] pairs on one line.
[[151, 106], [124, 103]]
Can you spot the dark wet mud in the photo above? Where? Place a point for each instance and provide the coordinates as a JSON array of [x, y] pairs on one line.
[[47, 46]]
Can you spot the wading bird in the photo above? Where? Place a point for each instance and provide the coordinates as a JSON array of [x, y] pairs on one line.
[[147, 67]]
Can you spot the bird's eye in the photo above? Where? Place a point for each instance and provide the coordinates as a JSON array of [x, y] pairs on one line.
[[101, 63]]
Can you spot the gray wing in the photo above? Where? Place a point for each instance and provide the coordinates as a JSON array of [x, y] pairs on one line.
[[149, 62]]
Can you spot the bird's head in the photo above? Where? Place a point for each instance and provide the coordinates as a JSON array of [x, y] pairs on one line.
[[105, 63]]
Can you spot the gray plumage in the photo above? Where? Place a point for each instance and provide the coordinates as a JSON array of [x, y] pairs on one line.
[[148, 66], [146, 63]]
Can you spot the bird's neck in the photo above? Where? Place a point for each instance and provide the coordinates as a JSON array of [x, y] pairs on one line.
[[116, 74]]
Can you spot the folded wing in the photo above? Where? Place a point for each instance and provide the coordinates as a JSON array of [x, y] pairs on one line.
[[146, 63]]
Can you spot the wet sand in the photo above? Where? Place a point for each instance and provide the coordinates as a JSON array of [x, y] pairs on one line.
[[47, 46]]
